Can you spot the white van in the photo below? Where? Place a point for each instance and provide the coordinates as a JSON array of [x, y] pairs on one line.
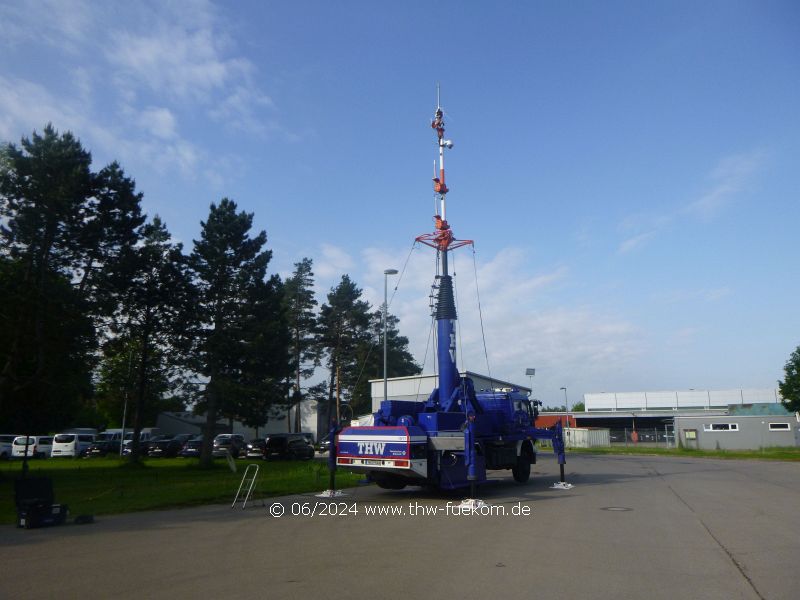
[[147, 434], [39, 446], [6, 446], [71, 444]]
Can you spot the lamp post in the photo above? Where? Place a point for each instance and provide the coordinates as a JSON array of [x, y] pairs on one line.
[[386, 274], [566, 404], [530, 373]]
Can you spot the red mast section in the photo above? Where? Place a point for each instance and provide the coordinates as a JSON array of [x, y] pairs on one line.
[[442, 239]]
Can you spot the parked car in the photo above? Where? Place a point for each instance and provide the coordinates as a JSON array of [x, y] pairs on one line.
[[105, 443], [191, 449], [324, 444], [147, 435], [288, 445], [229, 443], [168, 446], [6, 446], [39, 446], [71, 444], [257, 448]]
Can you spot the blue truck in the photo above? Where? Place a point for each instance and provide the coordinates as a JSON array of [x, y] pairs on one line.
[[451, 440]]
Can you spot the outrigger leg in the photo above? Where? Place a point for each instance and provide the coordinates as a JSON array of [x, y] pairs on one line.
[[558, 449]]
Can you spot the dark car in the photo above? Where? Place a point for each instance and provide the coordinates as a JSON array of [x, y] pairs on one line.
[[103, 444], [168, 447], [191, 449], [324, 444], [288, 445], [257, 448], [229, 443], [144, 445]]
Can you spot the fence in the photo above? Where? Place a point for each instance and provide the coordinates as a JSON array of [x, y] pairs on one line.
[[656, 437]]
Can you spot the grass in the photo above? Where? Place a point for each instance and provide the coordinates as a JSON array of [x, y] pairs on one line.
[[786, 453], [102, 486]]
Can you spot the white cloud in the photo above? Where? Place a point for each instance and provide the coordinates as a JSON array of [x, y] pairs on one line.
[[160, 122], [332, 264], [708, 295], [60, 23], [175, 62], [634, 242], [26, 106], [730, 176]]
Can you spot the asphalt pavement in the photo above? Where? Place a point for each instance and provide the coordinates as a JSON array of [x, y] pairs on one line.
[[631, 527]]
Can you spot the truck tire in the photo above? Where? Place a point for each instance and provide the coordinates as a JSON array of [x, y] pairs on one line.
[[389, 482], [522, 470]]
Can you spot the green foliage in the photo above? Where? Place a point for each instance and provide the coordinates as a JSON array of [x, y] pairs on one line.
[[343, 327], [63, 230], [46, 344], [242, 332], [304, 350], [578, 407], [790, 386], [152, 321], [399, 361]]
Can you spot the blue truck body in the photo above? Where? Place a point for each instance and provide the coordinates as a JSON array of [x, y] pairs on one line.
[[452, 439]]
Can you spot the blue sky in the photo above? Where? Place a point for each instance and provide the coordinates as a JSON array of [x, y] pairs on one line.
[[629, 171]]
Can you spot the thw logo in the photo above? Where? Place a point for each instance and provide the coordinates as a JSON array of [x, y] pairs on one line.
[[375, 448]]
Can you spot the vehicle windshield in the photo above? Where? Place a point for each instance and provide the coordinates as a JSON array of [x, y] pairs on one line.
[[21, 441], [64, 438]]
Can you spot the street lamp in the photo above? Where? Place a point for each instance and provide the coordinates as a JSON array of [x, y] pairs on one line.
[[386, 274], [566, 404], [530, 373]]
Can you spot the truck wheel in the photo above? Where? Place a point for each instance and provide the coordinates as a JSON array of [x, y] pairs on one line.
[[388, 482], [522, 470]]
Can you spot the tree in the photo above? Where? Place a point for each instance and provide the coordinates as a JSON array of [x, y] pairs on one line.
[[153, 317], [304, 346], [117, 379], [399, 361], [46, 380], [243, 338], [790, 386], [45, 187], [343, 326], [63, 230], [578, 407]]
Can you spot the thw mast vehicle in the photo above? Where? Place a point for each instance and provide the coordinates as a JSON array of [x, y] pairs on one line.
[[451, 440]]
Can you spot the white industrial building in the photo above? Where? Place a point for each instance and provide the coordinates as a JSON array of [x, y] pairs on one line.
[[678, 399]]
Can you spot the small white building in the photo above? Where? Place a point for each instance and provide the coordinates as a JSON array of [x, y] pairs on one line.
[[419, 387]]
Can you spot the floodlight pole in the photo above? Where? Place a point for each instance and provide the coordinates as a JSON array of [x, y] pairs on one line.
[[566, 404], [386, 274]]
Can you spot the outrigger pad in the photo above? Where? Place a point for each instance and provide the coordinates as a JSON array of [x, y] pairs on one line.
[[562, 485], [472, 504], [331, 494]]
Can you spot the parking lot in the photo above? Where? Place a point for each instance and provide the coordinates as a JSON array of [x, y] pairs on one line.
[[642, 527]]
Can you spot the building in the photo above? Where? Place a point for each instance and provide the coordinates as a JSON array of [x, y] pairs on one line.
[[745, 427], [419, 387], [712, 419]]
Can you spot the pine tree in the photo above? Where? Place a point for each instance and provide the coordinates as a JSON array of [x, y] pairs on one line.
[[153, 318], [304, 346], [243, 338], [344, 326], [45, 187], [399, 361]]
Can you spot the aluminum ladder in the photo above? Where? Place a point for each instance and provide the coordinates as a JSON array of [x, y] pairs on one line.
[[249, 481]]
